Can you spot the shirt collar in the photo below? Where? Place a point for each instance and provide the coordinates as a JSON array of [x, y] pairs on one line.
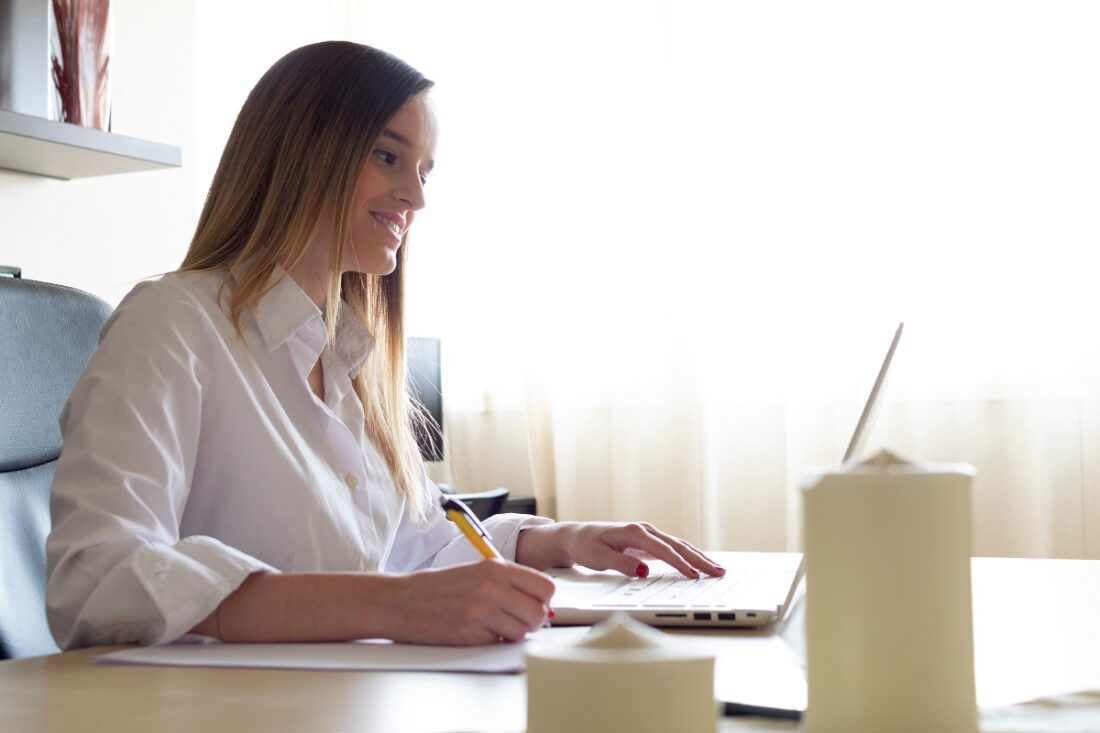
[[286, 311], [353, 341], [283, 311]]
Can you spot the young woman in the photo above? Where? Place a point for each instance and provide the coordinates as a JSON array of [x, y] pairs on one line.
[[238, 459]]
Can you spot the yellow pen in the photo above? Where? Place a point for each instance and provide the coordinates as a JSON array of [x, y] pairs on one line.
[[461, 515]]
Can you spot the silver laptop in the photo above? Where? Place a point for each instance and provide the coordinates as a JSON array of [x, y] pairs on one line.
[[757, 589]]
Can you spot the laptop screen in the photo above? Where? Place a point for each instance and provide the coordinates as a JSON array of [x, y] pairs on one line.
[[870, 410]]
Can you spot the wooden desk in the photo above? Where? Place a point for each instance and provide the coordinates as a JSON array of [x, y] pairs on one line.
[[1037, 632]]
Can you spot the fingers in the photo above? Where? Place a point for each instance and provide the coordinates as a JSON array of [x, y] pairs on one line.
[[603, 556], [689, 552], [650, 541], [479, 603], [515, 620], [516, 599], [679, 554], [527, 608], [529, 581]]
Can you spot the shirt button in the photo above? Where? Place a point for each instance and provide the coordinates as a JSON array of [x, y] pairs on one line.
[[351, 480]]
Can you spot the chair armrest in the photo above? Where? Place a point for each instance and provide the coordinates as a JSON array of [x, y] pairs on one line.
[[485, 504]]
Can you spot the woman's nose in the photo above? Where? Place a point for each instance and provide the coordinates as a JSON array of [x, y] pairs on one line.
[[412, 193]]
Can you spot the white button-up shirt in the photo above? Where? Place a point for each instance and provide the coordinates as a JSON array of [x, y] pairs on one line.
[[193, 458]]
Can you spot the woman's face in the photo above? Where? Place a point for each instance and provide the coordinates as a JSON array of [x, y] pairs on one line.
[[390, 189]]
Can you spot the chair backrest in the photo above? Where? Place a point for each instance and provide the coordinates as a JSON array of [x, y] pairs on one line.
[[47, 334]]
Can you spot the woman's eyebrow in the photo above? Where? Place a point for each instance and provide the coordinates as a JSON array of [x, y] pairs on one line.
[[394, 135], [406, 142]]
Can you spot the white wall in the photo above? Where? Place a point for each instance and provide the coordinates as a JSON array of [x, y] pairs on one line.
[[181, 69], [240, 40], [103, 234]]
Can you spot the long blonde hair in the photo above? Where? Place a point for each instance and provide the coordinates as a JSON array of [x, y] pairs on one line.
[[299, 143]]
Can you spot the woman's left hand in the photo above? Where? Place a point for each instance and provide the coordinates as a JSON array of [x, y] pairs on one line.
[[610, 546]]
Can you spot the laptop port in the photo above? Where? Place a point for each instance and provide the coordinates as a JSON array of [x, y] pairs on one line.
[[701, 616], [727, 617], [671, 615], [751, 614]]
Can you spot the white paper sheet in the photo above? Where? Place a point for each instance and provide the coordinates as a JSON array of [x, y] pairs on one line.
[[360, 655]]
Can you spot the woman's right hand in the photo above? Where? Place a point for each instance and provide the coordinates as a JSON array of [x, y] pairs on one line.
[[480, 603]]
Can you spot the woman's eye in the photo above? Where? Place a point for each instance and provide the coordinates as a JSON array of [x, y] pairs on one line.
[[386, 156]]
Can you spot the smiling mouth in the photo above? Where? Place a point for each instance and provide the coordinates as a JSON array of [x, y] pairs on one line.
[[389, 224]]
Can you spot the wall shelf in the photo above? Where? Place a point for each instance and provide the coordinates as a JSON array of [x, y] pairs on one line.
[[59, 150]]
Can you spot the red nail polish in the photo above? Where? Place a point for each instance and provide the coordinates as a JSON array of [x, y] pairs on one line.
[[550, 613], [642, 570]]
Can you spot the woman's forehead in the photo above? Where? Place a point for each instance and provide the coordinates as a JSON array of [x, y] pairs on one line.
[[414, 125]]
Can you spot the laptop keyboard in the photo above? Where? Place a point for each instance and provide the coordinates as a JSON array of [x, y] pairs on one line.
[[673, 590]]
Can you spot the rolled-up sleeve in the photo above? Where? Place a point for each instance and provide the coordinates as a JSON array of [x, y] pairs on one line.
[[436, 542], [118, 569]]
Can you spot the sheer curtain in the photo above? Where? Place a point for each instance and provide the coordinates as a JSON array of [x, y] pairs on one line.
[[667, 244]]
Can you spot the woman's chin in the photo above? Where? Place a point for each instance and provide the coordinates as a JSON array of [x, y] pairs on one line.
[[380, 265]]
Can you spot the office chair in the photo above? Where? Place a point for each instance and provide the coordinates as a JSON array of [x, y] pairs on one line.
[[47, 334]]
